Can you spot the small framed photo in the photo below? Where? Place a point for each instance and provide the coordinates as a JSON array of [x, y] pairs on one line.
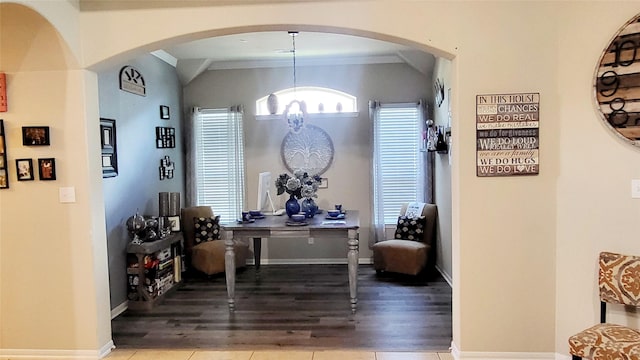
[[4, 182], [108, 148], [164, 112], [25, 169], [47, 168], [175, 223], [35, 136], [324, 183]]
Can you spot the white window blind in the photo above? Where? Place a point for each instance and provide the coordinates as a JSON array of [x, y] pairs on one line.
[[219, 161], [399, 177]]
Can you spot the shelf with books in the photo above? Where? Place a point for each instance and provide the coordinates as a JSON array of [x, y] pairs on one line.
[[154, 269]]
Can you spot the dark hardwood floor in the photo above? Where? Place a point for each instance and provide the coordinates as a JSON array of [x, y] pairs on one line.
[[296, 307]]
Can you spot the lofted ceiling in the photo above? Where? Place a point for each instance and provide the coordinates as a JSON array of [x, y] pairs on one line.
[[275, 49]]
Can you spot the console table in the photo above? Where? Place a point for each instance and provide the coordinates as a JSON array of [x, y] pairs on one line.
[[274, 227]]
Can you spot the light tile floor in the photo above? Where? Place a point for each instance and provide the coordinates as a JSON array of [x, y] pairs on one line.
[[125, 354]]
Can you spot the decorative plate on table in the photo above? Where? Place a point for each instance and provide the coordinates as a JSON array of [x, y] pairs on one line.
[[296, 223]]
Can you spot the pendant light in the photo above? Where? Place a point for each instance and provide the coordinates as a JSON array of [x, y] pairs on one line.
[[295, 111]]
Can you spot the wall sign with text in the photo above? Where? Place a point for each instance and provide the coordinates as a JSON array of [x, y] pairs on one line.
[[507, 134]]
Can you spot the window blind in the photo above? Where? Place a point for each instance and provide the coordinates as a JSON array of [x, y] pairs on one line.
[[219, 161], [400, 174]]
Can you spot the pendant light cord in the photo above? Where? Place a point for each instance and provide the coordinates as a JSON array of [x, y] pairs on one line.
[[293, 40]]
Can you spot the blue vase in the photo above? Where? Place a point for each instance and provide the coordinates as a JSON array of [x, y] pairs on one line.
[[292, 206], [309, 207]]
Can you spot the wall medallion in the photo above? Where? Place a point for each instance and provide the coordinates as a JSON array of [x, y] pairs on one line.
[[617, 82], [309, 149]]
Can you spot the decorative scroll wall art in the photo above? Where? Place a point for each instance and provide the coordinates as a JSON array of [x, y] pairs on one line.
[[617, 83], [507, 134]]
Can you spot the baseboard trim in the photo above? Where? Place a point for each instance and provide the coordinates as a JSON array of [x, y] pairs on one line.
[[106, 349], [38, 354], [119, 309], [481, 355], [446, 276], [327, 261]]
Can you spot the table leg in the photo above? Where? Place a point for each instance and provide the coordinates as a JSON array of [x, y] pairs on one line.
[[257, 249], [352, 259], [230, 272]]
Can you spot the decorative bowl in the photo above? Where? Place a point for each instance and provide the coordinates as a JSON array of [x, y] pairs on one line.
[[298, 217], [334, 213]]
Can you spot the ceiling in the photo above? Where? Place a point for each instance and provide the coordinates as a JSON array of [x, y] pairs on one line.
[[275, 49]]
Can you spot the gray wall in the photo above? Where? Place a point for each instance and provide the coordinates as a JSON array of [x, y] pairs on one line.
[[137, 185], [350, 174], [442, 176]]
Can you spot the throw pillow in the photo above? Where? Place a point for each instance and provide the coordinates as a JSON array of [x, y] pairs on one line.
[[206, 229], [410, 228]]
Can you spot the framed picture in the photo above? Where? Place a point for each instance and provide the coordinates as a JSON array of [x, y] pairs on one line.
[[35, 136], [4, 180], [175, 222], [24, 167], [47, 168], [108, 148], [164, 112]]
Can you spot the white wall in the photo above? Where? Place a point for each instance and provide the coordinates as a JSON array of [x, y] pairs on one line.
[[53, 268], [524, 248], [349, 174]]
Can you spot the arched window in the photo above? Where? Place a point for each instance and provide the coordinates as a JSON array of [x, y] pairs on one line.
[[319, 100]]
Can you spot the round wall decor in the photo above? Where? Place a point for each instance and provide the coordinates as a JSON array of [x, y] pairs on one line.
[[617, 82], [310, 150]]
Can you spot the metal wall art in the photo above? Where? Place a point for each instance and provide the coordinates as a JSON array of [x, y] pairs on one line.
[[309, 149], [166, 168], [617, 83], [131, 80]]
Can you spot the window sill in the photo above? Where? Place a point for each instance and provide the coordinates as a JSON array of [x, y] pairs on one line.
[[315, 116]]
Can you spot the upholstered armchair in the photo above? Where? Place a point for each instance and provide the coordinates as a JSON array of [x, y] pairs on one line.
[[201, 253], [408, 252]]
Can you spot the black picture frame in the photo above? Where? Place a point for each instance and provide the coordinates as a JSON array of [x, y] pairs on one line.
[[165, 137], [24, 169], [35, 136], [164, 112], [4, 176], [108, 147], [47, 169]]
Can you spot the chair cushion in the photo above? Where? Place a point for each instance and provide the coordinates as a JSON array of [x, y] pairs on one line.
[[606, 341], [410, 228], [208, 256], [206, 229], [401, 256]]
